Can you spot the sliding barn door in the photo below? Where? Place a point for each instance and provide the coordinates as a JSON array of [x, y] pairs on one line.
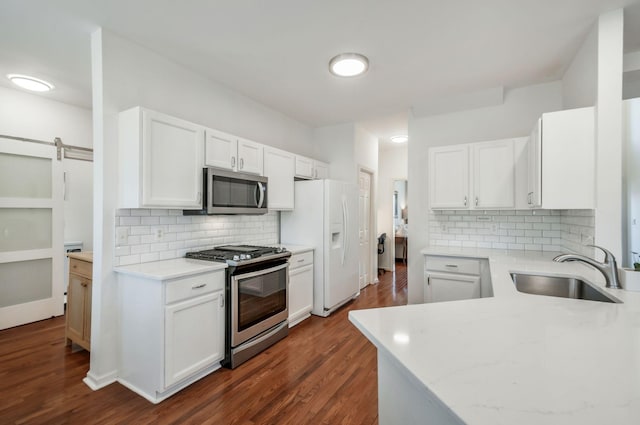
[[31, 232]]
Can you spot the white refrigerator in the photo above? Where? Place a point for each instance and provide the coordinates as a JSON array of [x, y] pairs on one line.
[[326, 217]]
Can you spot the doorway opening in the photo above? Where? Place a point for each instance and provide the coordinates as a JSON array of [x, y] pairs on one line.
[[400, 220]]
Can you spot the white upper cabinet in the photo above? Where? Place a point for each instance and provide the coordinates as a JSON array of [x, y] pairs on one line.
[[304, 167], [493, 174], [449, 177], [221, 150], [229, 152], [279, 167], [320, 170], [250, 157], [160, 161], [562, 160], [307, 168], [478, 175]]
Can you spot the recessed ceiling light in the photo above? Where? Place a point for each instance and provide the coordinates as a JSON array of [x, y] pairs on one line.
[[30, 83], [401, 138], [348, 65]]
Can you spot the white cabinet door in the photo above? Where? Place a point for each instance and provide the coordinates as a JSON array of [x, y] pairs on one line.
[[194, 336], [300, 294], [494, 174], [221, 150], [320, 170], [250, 157], [279, 168], [449, 177], [160, 160], [304, 167], [568, 159], [534, 183], [172, 162], [450, 287]]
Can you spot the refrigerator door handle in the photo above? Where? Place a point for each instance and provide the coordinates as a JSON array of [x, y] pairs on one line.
[[345, 239]]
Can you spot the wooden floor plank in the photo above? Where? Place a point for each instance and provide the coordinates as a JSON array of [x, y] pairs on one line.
[[324, 372]]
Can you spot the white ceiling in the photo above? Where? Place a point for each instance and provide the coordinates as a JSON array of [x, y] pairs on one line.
[[277, 51]]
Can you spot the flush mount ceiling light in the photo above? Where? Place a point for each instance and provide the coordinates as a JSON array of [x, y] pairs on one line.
[[30, 83], [401, 138], [348, 65]]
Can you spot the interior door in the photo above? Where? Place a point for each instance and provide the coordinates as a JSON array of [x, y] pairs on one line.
[[364, 232], [31, 233]]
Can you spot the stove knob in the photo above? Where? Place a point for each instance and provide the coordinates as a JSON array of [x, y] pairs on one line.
[[243, 256], [248, 256], [236, 257]]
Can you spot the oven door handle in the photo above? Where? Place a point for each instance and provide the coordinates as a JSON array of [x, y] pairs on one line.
[[260, 193], [259, 272]]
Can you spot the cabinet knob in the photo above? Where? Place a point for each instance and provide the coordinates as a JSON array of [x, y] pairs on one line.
[[241, 163], [221, 300], [465, 201]]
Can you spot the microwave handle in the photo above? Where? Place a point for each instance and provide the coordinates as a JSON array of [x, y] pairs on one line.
[[260, 189]]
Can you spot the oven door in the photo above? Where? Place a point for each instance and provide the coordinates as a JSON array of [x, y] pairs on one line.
[[259, 301]]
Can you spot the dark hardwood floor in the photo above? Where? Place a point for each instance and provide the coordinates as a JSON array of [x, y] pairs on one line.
[[324, 372]]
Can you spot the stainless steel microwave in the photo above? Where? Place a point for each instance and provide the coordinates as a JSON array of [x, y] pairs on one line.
[[229, 192]]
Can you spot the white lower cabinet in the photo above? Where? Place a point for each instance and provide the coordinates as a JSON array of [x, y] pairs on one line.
[[172, 331], [300, 287], [452, 279]]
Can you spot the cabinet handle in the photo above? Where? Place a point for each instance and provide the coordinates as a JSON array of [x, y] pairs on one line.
[[455, 266], [241, 163], [476, 201], [530, 198], [199, 197], [428, 280], [465, 201], [221, 300], [301, 261], [202, 285], [233, 162]]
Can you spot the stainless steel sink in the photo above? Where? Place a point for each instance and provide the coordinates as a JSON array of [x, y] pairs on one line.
[[555, 286]]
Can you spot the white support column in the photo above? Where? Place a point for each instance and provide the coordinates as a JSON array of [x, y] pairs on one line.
[[609, 133]]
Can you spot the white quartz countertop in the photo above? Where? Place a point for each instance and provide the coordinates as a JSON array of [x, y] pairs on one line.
[[170, 269], [297, 249], [518, 358]]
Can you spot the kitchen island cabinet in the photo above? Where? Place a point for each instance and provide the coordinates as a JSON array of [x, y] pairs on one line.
[[172, 324], [78, 314], [515, 358]]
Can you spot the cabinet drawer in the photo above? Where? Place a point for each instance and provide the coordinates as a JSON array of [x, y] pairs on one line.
[[191, 286], [81, 268], [453, 265], [301, 260]]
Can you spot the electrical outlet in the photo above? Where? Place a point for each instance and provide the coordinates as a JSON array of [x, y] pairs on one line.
[[444, 227], [158, 234], [494, 228], [122, 235]]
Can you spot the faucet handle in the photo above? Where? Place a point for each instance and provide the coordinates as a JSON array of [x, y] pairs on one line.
[[608, 255]]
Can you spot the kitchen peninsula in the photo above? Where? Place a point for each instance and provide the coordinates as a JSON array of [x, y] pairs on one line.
[[513, 358]]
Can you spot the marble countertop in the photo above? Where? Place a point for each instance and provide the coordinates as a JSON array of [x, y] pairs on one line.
[[517, 358], [170, 269]]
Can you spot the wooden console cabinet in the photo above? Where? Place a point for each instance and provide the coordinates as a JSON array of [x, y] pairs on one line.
[[78, 315]]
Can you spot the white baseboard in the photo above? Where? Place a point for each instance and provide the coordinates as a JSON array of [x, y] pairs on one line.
[[96, 382]]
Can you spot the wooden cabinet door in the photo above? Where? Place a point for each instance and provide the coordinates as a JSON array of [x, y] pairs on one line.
[[194, 336], [279, 167], [493, 175], [449, 177], [450, 287], [172, 162], [221, 150], [250, 157], [78, 326]]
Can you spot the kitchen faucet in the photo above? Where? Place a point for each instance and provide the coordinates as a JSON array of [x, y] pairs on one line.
[[609, 268]]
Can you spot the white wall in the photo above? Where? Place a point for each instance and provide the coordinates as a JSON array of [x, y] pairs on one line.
[[127, 75], [36, 117], [514, 118], [580, 80], [335, 144]]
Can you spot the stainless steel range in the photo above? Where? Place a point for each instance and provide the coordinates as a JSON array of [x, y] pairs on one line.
[[257, 299]]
